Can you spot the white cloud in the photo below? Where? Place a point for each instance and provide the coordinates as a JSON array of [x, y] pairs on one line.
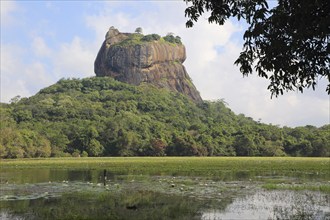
[[7, 8], [36, 74], [19, 88], [74, 59], [40, 48], [24, 75], [155, 20], [19, 77], [11, 85]]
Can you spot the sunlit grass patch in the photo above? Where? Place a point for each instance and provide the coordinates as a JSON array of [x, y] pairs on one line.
[[321, 187], [213, 167]]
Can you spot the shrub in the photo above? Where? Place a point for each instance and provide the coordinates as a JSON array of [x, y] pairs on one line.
[[170, 38], [84, 154], [150, 37]]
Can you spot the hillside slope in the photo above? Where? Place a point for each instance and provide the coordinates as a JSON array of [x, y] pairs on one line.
[[100, 116]]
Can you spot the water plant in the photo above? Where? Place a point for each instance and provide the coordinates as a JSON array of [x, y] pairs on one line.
[[213, 167]]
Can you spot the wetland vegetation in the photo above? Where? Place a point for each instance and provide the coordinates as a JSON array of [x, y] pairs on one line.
[[166, 188], [186, 166]]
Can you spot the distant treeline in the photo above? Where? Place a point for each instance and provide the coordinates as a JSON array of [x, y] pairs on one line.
[[103, 117]]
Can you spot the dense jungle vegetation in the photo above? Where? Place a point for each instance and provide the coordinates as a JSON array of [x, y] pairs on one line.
[[99, 116]]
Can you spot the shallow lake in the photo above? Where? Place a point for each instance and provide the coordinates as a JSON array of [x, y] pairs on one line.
[[85, 194]]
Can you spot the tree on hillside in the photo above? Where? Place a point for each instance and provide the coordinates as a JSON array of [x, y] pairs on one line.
[[287, 44], [138, 30]]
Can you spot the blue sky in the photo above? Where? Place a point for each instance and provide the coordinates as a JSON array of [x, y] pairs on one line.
[[43, 41]]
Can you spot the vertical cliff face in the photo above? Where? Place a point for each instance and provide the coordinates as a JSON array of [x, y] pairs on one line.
[[132, 59]]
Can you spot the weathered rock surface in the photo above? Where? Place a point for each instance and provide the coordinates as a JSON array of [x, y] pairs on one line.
[[156, 62]]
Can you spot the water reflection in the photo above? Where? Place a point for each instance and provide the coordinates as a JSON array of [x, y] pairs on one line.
[[21, 176], [275, 205], [61, 194], [129, 204]]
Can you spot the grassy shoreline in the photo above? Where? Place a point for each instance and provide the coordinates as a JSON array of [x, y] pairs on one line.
[[298, 187], [190, 166]]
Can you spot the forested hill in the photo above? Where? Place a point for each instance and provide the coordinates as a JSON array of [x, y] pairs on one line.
[[100, 116]]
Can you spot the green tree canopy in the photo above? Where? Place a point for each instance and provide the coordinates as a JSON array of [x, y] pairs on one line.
[[100, 116], [287, 44], [138, 30]]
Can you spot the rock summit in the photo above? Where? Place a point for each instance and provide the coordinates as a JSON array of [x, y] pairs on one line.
[[135, 58]]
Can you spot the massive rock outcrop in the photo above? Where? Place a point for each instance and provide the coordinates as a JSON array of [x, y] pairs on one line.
[[129, 59]]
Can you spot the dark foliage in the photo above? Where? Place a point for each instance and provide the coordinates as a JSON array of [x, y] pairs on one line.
[[288, 44], [150, 37], [170, 38]]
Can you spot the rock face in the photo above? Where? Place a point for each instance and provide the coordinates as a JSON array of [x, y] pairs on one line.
[[157, 62]]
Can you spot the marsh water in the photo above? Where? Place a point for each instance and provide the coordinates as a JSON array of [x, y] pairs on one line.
[[86, 194]]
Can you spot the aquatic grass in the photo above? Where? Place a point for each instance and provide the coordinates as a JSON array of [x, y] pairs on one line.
[[298, 187], [153, 187], [212, 167]]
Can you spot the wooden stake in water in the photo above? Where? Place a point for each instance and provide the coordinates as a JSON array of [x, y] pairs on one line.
[[104, 176]]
